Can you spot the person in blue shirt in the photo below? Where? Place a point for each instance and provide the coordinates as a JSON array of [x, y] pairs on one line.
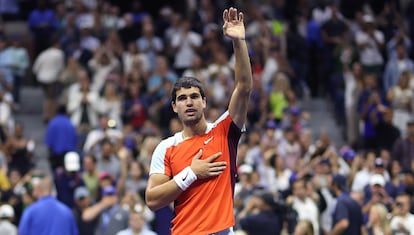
[[42, 24], [60, 138], [347, 216], [47, 216], [259, 216], [67, 179]]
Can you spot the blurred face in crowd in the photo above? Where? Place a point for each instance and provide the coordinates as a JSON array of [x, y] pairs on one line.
[[84, 80], [136, 221], [408, 178], [254, 138], [245, 178], [88, 163], [370, 81], [110, 90], [323, 168], [377, 190], [18, 130], [197, 61], [175, 125], [379, 169], [107, 150], [83, 202], [369, 160], [403, 204], [104, 59], [135, 170], [290, 135], [305, 138], [14, 176], [162, 64], [103, 122], [185, 25], [403, 82], [132, 48], [148, 28], [279, 163], [299, 189], [387, 116], [401, 51], [395, 168], [357, 69]]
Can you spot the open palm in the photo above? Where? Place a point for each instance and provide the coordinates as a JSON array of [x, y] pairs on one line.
[[233, 26]]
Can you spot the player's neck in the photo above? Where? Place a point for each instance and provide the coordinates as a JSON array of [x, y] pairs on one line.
[[197, 129]]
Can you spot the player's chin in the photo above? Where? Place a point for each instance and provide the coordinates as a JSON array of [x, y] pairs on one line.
[[191, 120]]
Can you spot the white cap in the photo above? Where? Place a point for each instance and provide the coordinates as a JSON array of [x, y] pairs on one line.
[[377, 179], [245, 169], [72, 161], [6, 211]]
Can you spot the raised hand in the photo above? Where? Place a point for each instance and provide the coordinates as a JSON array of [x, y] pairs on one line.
[[233, 26]]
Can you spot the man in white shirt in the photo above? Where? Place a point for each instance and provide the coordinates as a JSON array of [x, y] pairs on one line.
[[370, 41], [185, 43], [403, 221], [47, 67], [305, 206]]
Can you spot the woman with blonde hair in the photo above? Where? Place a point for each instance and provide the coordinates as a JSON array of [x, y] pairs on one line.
[[378, 223]]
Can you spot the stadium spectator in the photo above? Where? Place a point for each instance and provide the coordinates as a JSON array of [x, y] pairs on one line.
[[402, 221], [259, 216], [347, 216], [60, 138], [402, 150], [68, 178], [47, 68], [396, 66], [47, 215], [112, 218], [42, 24], [82, 201], [378, 220], [400, 98], [304, 205]]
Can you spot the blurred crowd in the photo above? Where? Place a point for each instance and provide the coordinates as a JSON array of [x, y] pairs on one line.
[[107, 68]]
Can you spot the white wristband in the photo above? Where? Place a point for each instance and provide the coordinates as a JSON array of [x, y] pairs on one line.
[[185, 178]]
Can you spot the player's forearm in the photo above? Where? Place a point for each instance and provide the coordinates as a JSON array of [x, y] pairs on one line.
[[243, 71], [159, 196]]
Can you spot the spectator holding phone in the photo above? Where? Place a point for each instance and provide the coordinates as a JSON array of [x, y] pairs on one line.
[[402, 221]]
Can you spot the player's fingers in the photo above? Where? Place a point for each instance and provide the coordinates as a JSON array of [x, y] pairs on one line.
[[225, 15], [241, 17], [213, 157], [217, 169], [199, 154]]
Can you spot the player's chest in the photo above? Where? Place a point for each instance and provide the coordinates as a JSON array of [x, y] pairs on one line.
[[184, 152]]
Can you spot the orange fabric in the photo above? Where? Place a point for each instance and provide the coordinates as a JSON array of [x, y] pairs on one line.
[[207, 205]]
